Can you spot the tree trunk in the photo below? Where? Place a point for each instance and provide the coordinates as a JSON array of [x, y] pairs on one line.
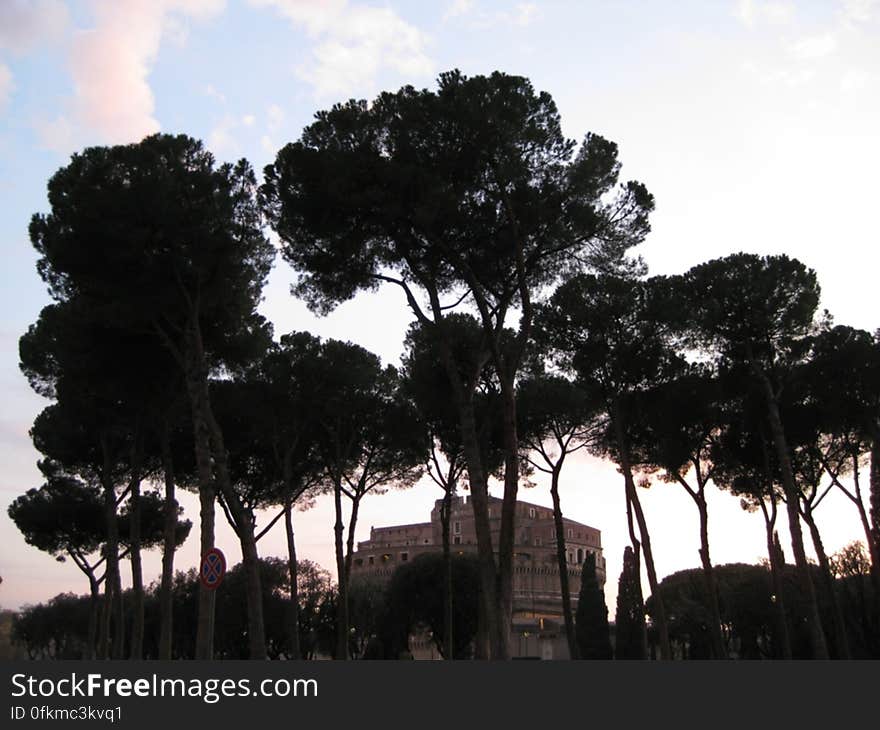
[[209, 443], [136, 649], [874, 485], [204, 466], [783, 639], [342, 600], [718, 645], [445, 511], [662, 625], [293, 620], [254, 594], [508, 513], [94, 609], [169, 545], [814, 623], [462, 395], [111, 553], [841, 642], [562, 563], [495, 633]]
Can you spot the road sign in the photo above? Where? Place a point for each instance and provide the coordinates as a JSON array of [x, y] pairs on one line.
[[213, 568]]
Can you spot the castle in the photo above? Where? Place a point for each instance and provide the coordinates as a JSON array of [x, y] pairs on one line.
[[537, 623]]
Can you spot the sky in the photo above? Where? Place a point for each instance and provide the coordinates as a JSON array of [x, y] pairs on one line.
[[753, 123]]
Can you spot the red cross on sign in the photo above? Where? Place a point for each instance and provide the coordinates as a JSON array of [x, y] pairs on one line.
[[213, 568]]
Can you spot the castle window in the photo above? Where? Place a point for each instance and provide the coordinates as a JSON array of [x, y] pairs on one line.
[[456, 540], [580, 556], [532, 512], [404, 557], [538, 541], [370, 560], [456, 528]]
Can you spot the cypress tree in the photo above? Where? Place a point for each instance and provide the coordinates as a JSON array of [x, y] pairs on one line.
[[631, 634], [591, 619]]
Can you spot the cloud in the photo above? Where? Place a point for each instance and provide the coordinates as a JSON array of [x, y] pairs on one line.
[[221, 139], [6, 85], [858, 11], [110, 64], [353, 43], [25, 24], [854, 79], [753, 12], [457, 8], [525, 14], [212, 93], [812, 47]]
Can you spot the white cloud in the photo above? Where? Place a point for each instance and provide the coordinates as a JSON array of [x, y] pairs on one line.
[[110, 64], [813, 47], [753, 12], [222, 140], [457, 8], [27, 23], [248, 120], [353, 42], [275, 117], [854, 79], [525, 14], [858, 11], [6, 85], [212, 93]]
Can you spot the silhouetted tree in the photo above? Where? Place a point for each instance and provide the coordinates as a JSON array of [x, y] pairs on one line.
[[758, 312], [153, 238], [605, 332], [557, 418], [630, 634], [593, 638], [467, 193]]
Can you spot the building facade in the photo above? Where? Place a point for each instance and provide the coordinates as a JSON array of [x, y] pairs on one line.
[[537, 621]]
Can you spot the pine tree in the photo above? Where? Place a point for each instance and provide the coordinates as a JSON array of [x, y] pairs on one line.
[[591, 627], [631, 635]]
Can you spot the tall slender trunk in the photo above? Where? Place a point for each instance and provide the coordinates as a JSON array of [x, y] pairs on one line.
[[213, 472], [562, 563], [207, 495], [293, 619], [774, 555], [870, 541], [136, 649], [94, 610], [637, 583], [250, 557], [169, 545], [718, 645], [462, 395], [445, 510], [814, 623], [660, 607], [508, 513], [874, 485], [342, 600], [111, 552], [495, 633], [196, 379], [349, 542], [841, 642]]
